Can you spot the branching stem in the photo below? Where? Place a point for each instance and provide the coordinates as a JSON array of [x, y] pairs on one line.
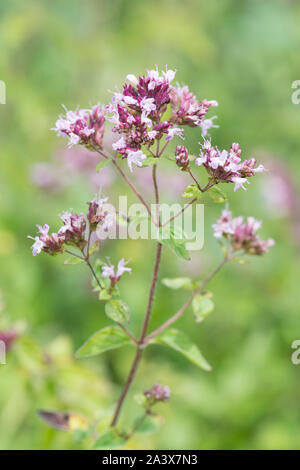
[[187, 303], [140, 346]]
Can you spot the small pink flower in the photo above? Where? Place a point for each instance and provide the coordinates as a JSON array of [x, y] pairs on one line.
[[122, 268], [207, 124], [108, 270], [135, 157], [173, 132]]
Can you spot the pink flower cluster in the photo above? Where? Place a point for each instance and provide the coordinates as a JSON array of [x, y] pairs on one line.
[[241, 234], [157, 393], [187, 110], [52, 244], [83, 126], [226, 166], [73, 228], [136, 114], [73, 231]]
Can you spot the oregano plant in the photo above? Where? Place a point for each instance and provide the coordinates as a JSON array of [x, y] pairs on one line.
[[145, 116]]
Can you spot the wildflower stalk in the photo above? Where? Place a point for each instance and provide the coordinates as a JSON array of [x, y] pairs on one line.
[[137, 114], [140, 345]]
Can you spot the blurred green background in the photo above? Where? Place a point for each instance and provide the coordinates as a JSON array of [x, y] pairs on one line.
[[246, 56]]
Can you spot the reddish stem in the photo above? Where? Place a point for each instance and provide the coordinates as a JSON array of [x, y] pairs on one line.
[[140, 347]]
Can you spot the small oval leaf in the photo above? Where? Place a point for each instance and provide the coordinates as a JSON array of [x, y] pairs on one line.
[[117, 310], [192, 192], [111, 337], [174, 238], [202, 306], [178, 283], [217, 195]]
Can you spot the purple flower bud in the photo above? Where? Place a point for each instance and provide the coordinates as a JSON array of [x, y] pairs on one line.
[[236, 149], [157, 393], [96, 214], [182, 157]]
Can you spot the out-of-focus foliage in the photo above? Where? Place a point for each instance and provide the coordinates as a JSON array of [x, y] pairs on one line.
[[243, 54]]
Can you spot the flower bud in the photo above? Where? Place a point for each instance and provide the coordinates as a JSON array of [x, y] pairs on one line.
[[182, 157], [157, 393], [236, 149]]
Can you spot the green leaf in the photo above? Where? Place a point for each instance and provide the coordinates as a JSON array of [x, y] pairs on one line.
[[117, 310], [217, 195], [174, 238], [73, 260], [110, 439], [111, 337], [178, 283], [192, 191], [202, 306], [148, 425], [177, 340], [103, 164]]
